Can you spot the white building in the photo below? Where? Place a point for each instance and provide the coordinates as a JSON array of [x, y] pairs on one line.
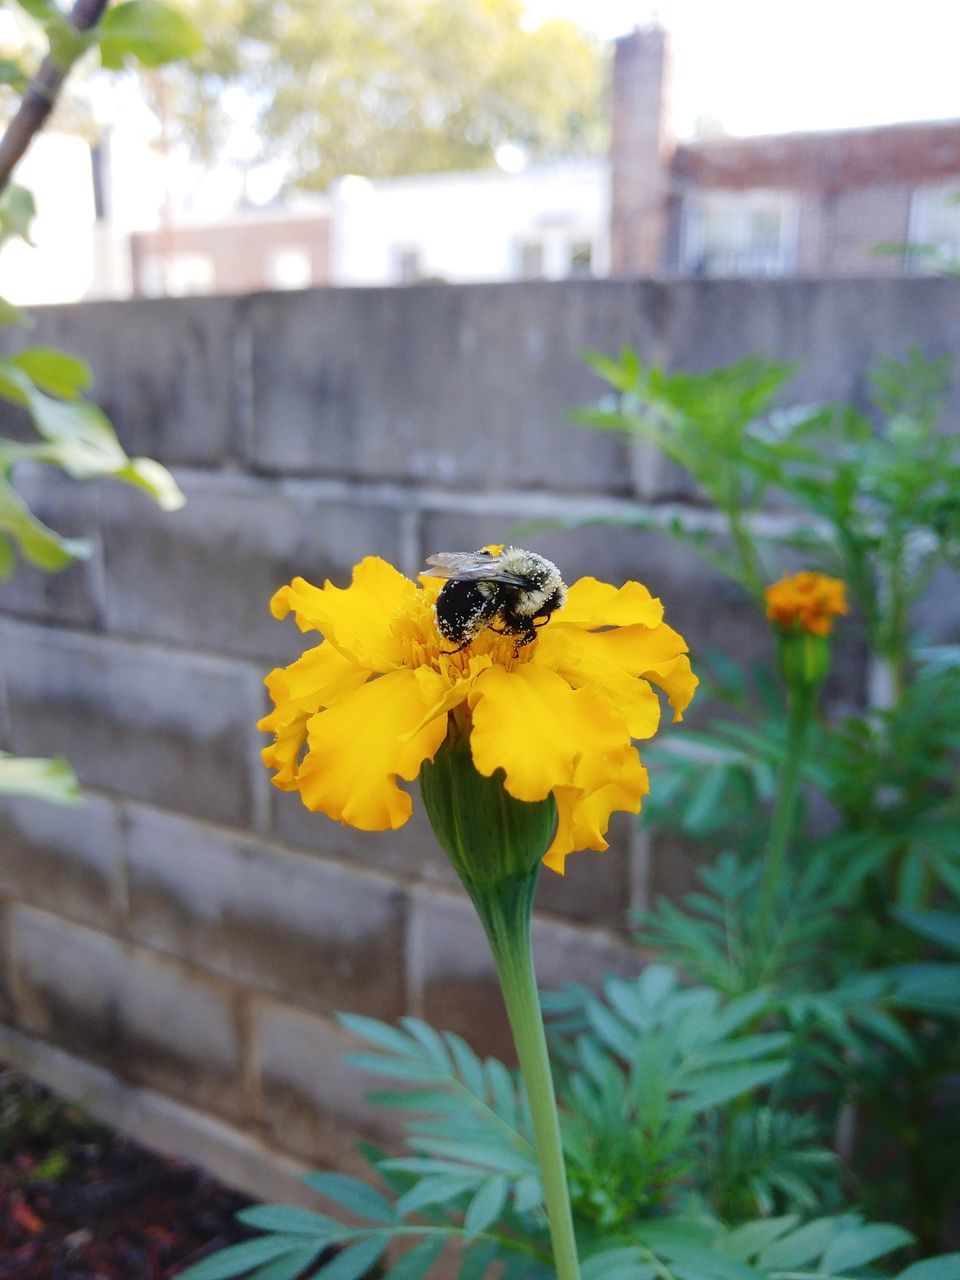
[[547, 221]]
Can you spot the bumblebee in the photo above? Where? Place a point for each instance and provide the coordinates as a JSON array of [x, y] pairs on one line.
[[516, 589]]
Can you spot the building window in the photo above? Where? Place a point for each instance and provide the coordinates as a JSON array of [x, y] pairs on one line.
[[529, 257], [934, 236], [750, 233], [581, 258], [407, 268], [176, 275], [289, 266]]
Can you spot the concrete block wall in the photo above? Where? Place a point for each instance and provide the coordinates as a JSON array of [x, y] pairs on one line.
[[176, 949]]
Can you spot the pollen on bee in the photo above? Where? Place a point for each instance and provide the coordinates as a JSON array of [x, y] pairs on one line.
[[416, 625]]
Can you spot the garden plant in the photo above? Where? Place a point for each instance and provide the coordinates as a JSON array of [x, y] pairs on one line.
[[781, 1075], [777, 1079]]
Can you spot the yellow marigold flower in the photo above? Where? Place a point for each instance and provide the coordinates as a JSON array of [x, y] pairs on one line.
[[370, 703], [808, 601]]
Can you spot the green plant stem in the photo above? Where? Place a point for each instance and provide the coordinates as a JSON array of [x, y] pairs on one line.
[[799, 709], [505, 910]]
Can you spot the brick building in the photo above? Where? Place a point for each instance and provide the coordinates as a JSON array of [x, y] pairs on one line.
[[790, 204], [812, 204], [286, 248]]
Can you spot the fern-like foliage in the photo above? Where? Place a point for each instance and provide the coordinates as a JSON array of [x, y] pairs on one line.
[[650, 1074]]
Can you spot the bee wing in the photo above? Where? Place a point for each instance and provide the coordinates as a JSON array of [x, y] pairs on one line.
[[469, 566]]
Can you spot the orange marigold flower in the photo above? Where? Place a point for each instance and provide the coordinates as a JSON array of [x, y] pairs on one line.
[[806, 601], [370, 703]]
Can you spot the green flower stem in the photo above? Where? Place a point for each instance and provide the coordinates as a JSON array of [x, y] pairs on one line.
[[505, 910], [800, 704]]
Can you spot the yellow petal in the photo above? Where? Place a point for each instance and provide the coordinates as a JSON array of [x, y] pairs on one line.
[[531, 724], [677, 681], [591, 603], [357, 619], [318, 678], [289, 726], [656, 653], [582, 659], [361, 745], [444, 690], [584, 811]]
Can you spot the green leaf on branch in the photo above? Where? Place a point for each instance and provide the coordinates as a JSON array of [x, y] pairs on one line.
[[51, 780], [65, 42], [80, 438], [57, 372], [151, 32], [153, 478], [12, 74], [17, 211], [39, 544]]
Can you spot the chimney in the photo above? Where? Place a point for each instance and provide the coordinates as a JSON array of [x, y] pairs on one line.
[[641, 153]]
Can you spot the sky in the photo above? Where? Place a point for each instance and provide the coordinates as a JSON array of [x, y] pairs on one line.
[[771, 66]]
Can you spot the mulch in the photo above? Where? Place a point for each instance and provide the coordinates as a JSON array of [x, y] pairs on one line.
[[80, 1202]]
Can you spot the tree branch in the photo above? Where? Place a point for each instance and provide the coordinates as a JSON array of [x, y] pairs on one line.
[[41, 94]]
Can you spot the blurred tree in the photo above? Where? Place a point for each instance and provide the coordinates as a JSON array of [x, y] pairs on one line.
[[382, 87]]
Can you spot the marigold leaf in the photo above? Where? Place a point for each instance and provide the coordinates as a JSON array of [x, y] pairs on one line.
[[946, 1267], [468, 1066], [378, 1033], [857, 1247], [486, 1206], [355, 1196], [238, 1259], [802, 1247], [748, 1240], [290, 1220], [417, 1262], [356, 1261], [476, 1261], [436, 1189], [291, 1265], [429, 1040]]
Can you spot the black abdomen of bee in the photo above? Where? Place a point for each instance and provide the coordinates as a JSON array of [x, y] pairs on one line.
[[464, 609]]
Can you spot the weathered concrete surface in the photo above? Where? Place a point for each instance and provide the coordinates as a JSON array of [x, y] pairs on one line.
[[191, 930], [148, 1018], [173, 728], [321, 935]]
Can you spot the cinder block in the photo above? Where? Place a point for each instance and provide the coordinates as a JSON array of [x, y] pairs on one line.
[[591, 890], [410, 852], [466, 387], [320, 935], [66, 860], [171, 728], [148, 1019], [74, 594], [163, 370], [833, 329], [160, 1123], [595, 887], [216, 563], [312, 1101], [452, 976]]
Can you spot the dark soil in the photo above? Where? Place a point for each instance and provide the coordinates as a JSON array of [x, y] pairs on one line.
[[79, 1202]]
